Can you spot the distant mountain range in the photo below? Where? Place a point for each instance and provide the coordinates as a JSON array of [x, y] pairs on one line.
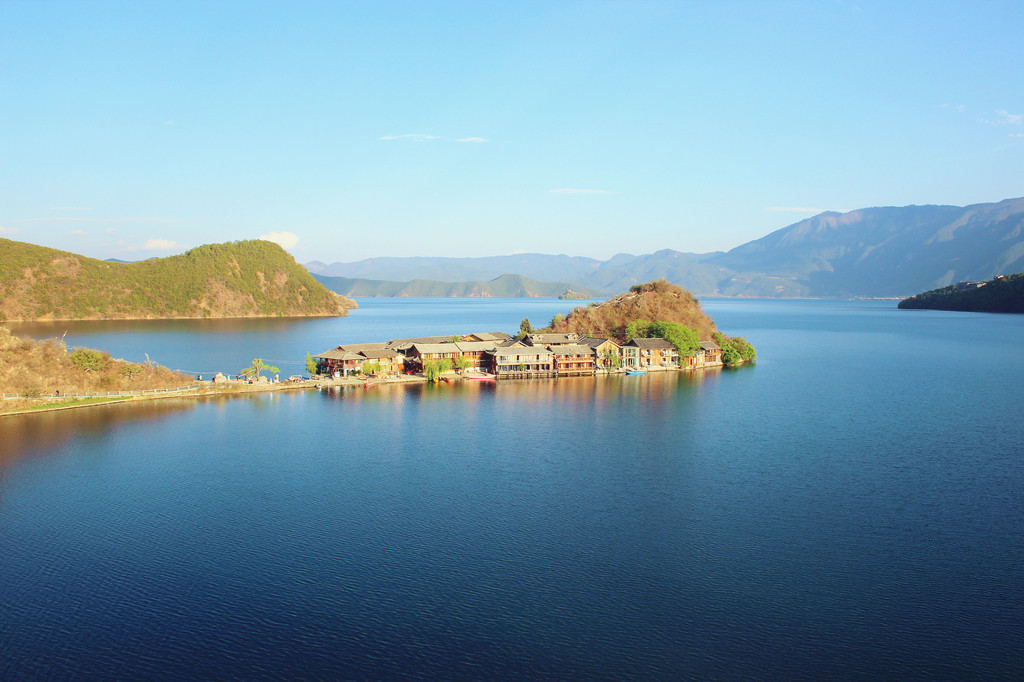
[[504, 286], [870, 252]]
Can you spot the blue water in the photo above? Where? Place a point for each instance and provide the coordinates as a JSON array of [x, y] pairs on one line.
[[850, 507]]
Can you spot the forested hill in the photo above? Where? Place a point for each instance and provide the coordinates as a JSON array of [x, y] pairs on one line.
[[236, 279], [1003, 294], [653, 301]]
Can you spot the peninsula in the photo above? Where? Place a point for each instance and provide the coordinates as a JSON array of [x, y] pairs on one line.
[[1003, 294], [235, 279]]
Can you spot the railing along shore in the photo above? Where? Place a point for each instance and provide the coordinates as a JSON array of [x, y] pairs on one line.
[[107, 394]]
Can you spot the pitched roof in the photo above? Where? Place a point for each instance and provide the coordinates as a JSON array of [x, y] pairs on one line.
[[509, 342], [360, 347], [339, 354], [573, 349], [517, 351], [379, 353], [594, 341], [402, 344], [490, 336], [709, 345], [652, 344], [423, 348], [552, 338], [475, 346]]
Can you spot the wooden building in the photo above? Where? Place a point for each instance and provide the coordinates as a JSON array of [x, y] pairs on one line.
[[522, 361], [573, 359], [654, 353], [607, 353]]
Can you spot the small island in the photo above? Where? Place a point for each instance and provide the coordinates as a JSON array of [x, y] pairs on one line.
[[1002, 294]]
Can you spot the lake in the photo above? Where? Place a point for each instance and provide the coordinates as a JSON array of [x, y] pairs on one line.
[[849, 507]]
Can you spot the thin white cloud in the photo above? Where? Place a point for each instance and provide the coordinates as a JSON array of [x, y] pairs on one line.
[[100, 220], [580, 190], [158, 245], [472, 139], [803, 209], [1008, 118], [70, 208], [286, 240], [1016, 134], [415, 137], [77, 233], [7, 230], [169, 122], [110, 230], [954, 107]]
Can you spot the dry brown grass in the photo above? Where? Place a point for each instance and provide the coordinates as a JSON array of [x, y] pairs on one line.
[[33, 368], [658, 300]]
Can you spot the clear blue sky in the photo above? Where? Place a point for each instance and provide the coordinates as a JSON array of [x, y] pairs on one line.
[[352, 130]]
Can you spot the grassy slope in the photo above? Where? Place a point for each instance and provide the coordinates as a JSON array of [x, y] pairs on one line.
[[652, 301], [31, 368], [236, 279], [1003, 295]]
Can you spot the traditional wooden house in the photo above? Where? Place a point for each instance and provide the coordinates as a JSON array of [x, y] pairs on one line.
[[419, 353], [477, 353], [607, 353], [552, 340], [389, 361], [573, 359], [655, 353], [522, 361], [712, 353], [403, 345], [338, 362]]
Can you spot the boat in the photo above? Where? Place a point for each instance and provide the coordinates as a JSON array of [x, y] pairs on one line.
[[482, 376], [636, 371]]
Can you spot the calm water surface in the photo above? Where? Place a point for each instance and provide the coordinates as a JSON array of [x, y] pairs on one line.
[[849, 507]]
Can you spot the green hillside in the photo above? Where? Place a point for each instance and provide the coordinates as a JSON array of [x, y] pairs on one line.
[[1004, 294], [236, 279], [504, 286]]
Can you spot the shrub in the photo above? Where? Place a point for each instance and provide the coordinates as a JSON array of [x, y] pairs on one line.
[[90, 360]]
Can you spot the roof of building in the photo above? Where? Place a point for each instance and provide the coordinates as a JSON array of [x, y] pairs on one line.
[[509, 342], [360, 347], [652, 344], [594, 341], [475, 346], [400, 344], [339, 354], [709, 345], [542, 339], [490, 336], [375, 354], [573, 349], [515, 351], [425, 348]]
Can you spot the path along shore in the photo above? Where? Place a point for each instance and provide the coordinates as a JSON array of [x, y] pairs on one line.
[[202, 389]]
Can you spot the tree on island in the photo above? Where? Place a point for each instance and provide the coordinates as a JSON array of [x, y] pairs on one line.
[[461, 362], [259, 366], [432, 369], [525, 328]]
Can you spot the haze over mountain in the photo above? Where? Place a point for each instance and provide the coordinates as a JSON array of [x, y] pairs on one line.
[[504, 286], [870, 252]]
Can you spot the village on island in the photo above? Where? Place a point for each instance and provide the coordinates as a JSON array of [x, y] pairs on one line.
[[497, 355]]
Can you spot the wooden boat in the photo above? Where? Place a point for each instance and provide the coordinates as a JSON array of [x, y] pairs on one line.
[[636, 371], [483, 376]]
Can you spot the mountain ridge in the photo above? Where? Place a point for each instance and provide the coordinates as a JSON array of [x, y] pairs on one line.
[[236, 279], [875, 252]]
